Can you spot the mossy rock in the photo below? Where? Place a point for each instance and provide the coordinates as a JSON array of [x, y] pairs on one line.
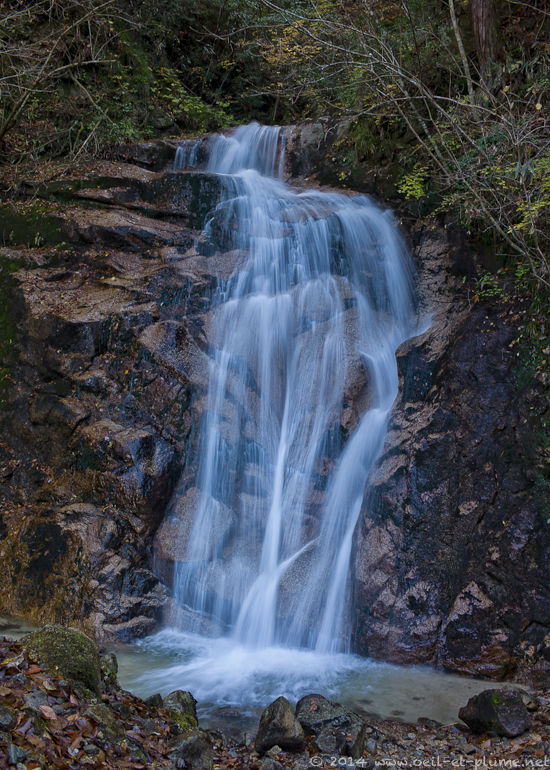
[[69, 653], [497, 711], [109, 668], [181, 706]]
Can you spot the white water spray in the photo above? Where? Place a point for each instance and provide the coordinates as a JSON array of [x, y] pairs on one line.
[[311, 321]]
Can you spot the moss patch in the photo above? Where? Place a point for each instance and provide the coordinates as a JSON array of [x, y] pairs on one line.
[[31, 226], [68, 653]]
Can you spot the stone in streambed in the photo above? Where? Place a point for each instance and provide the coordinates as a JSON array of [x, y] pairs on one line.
[[498, 711], [155, 701], [279, 727], [335, 728], [181, 706]]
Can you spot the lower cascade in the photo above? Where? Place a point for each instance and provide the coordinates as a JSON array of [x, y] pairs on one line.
[[302, 377]]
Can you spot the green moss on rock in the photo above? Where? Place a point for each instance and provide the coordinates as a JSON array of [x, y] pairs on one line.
[[69, 653], [181, 706], [33, 226], [106, 721]]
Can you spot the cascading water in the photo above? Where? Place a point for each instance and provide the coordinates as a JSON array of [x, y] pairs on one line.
[[301, 335]]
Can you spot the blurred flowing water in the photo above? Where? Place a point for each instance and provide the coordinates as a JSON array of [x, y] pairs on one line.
[[323, 299], [302, 378]]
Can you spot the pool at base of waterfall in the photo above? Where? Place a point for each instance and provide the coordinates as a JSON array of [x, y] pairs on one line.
[[234, 683]]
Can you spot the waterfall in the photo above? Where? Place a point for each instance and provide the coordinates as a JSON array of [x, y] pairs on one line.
[[302, 337]]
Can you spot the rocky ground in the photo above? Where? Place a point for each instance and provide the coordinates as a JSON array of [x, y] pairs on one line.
[[61, 707]]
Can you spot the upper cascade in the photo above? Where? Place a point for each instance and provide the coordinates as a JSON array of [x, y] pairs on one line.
[[252, 147], [302, 378]]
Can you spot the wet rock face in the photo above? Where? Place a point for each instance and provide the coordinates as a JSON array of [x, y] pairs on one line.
[[452, 554], [108, 358]]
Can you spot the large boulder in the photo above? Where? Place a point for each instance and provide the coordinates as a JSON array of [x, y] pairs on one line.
[[335, 728], [497, 711], [67, 652], [279, 727]]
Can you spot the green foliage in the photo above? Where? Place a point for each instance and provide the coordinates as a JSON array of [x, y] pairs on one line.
[[413, 184], [187, 109], [490, 286], [82, 78], [133, 70]]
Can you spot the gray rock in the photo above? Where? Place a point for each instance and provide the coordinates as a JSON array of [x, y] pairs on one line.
[[7, 717], [154, 155], [16, 754], [182, 708], [107, 723], [371, 746], [331, 741], [279, 727], [155, 701], [270, 764], [195, 748], [91, 749], [336, 729], [33, 700], [529, 702], [498, 711], [19, 680], [109, 667]]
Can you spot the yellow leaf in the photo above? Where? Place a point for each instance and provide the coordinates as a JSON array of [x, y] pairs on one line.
[[538, 106]]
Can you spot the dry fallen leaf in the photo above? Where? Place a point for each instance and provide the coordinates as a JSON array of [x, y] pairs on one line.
[[47, 712]]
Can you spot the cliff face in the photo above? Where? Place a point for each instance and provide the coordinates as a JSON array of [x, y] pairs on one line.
[[96, 419], [452, 552], [451, 562]]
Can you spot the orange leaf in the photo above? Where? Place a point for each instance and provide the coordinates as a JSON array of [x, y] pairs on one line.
[[77, 741], [47, 712]]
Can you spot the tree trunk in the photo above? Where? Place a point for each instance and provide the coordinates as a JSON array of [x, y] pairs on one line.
[[485, 33]]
